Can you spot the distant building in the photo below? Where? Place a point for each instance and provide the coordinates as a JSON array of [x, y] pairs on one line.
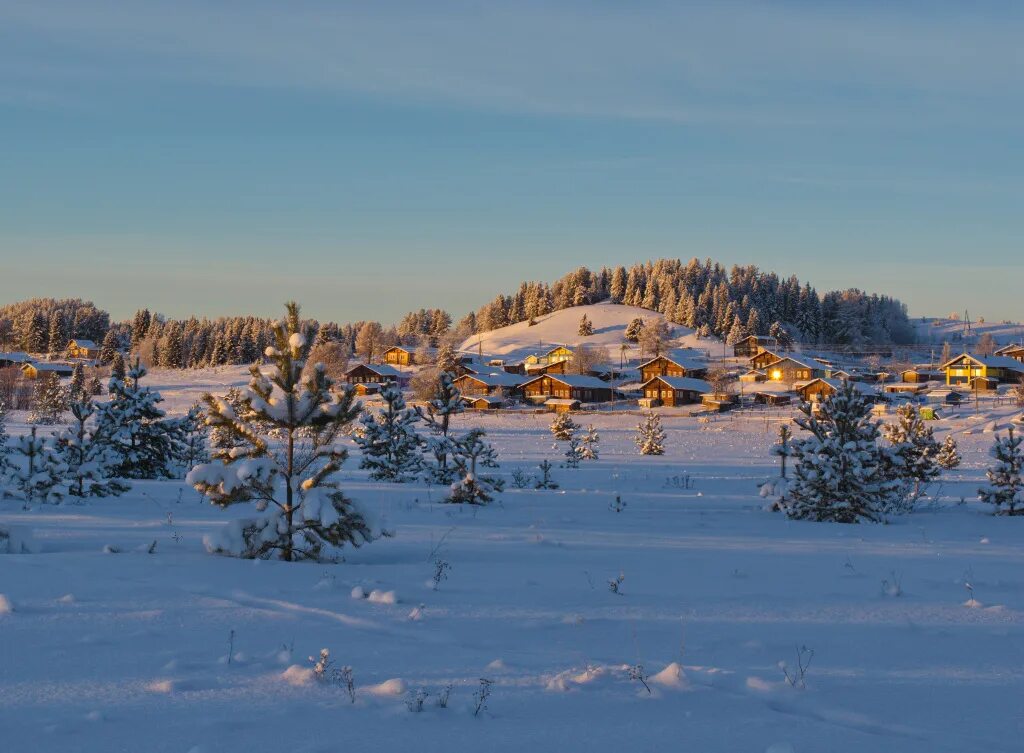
[[752, 345], [790, 369], [674, 390], [501, 383], [586, 389], [33, 370], [362, 373], [673, 363], [399, 356], [83, 349], [965, 369]]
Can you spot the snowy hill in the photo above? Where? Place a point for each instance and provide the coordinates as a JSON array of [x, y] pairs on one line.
[[954, 331], [561, 328]]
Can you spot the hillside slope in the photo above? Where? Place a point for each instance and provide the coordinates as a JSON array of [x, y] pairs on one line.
[[562, 327]]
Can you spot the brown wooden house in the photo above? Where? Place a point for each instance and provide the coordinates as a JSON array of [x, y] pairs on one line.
[[401, 356], [673, 363], [920, 376], [674, 390], [751, 345], [1016, 352], [483, 402], [502, 384], [375, 373], [789, 369], [586, 389], [83, 349], [761, 360], [819, 389]]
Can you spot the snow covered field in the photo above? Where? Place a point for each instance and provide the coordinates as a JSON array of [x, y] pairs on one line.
[[105, 647]]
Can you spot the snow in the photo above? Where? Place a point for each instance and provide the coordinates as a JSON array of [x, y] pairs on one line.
[[561, 327], [129, 651]]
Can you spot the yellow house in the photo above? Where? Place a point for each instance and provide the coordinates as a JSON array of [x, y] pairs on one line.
[[34, 370], [83, 349], [965, 368], [559, 354]]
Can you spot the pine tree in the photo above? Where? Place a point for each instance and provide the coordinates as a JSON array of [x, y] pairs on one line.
[[118, 370], [589, 444], [50, 400], [650, 437], [572, 453], [4, 445], [147, 443], [563, 427], [194, 435], [471, 455], [95, 386], [545, 481], [633, 330], [56, 339], [915, 447], [1006, 485], [39, 476], [447, 402], [783, 448], [389, 442], [840, 472], [586, 327], [77, 391], [948, 456], [447, 359], [293, 473], [88, 456], [109, 347], [737, 332]]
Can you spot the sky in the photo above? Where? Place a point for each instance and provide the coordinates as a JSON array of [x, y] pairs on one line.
[[367, 159]]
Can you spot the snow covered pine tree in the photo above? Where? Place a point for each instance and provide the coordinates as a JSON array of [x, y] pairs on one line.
[[563, 427], [390, 444], [650, 438], [948, 456], [4, 446], [148, 444], [50, 399], [88, 456], [471, 454], [1006, 485], [840, 472], [447, 402], [913, 442], [291, 477], [38, 478]]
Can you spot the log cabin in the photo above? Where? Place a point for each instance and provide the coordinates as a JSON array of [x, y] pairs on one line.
[[1016, 352], [674, 390], [820, 388], [362, 389], [483, 402], [789, 369], [401, 356], [378, 373], [751, 345], [921, 375], [761, 360], [501, 383], [586, 389], [965, 368], [674, 363]]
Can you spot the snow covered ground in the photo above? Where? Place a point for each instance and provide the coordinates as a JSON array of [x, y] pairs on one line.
[[104, 646]]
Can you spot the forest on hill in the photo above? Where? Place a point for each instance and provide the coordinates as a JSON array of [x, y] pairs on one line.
[[704, 296]]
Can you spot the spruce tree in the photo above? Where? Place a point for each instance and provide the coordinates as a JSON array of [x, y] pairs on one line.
[[783, 449], [38, 477], [447, 359], [5, 448], [572, 453], [948, 456], [49, 401], [290, 469], [147, 443], [913, 443], [193, 450], [447, 402], [1006, 485], [840, 473], [88, 456], [589, 444], [471, 455], [118, 370], [650, 437], [563, 427], [77, 391], [95, 386], [389, 442], [109, 348], [586, 327], [633, 330]]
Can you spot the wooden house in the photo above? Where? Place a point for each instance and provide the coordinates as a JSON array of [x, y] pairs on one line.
[[674, 390], [398, 355], [33, 370], [921, 375], [83, 349], [751, 345], [790, 369], [483, 402], [761, 360], [673, 363], [965, 368], [720, 401], [556, 367], [586, 389], [362, 389], [502, 384], [773, 398], [753, 376], [561, 404], [1016, 352], [561, 353], [376, 373], [820, 388]]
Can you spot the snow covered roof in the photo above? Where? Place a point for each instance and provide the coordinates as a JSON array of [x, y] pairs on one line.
[[88, 344], [684, 357], [837, 384], [489, 399], [377, 368], [561, 401], [496, 379], [60, 368], [574, 380], [16, 357], [682, 383]]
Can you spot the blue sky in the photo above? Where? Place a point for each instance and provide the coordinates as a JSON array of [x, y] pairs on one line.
[[372, 158]]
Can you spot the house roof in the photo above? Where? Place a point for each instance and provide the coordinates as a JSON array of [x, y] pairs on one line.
[[60, 368], [682, 357], [498, 379], [89, 344], [797, 361], [682, 383], [837, 384], [573, 380], [380, 368], [991, 362], [489, 399], [561, 401], [16, 357]]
